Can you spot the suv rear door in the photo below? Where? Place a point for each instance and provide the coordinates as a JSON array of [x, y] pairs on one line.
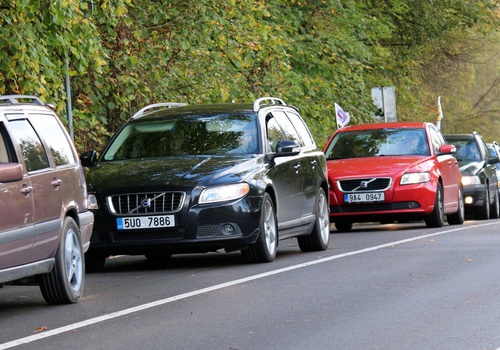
[[16, 224], [45, 183]]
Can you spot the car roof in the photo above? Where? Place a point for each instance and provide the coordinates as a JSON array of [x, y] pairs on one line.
[[459, 136], [391, 125]]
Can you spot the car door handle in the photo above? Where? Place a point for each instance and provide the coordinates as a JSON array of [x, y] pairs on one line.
[[26, 190], [56, 183]]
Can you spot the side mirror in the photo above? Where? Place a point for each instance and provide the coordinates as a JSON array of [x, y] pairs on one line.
[[285, 148], [493, 160], [288, 148], [89, 158], [447, 149], [10, 172]]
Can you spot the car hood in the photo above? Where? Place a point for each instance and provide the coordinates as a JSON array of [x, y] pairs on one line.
[[470, 168], [387, 166], [179, 172]]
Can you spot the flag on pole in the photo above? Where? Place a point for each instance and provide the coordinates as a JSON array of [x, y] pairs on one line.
[[342, 117], [438, 124]]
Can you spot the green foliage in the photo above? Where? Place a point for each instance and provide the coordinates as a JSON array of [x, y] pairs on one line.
[[124, 54]]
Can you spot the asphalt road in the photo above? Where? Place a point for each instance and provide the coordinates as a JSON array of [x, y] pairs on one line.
[[378, 287]]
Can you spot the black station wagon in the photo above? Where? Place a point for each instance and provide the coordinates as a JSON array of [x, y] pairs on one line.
[[193, 179]]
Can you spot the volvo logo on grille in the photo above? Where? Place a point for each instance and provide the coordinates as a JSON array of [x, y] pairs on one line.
[[146, 202], [364, 184]]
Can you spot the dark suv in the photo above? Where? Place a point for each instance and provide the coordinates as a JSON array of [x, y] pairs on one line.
[[45, 225], [201, 178], [479, 177]]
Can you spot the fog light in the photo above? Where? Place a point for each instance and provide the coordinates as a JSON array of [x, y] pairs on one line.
[[468, 200], [228, 229]]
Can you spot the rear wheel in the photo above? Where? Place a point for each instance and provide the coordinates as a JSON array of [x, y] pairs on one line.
[[320, 235], [458, 217], [264, 249], [483, 212], [64, 284], [436, 218]]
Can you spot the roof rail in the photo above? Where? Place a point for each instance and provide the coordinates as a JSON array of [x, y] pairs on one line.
[[273, 100], [14, 99], [156, 105]]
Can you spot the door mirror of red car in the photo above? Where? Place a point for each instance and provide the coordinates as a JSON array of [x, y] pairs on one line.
[[447, 149], [10, 172]]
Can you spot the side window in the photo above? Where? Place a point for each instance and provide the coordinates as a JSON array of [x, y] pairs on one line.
[[274, 133], [7, 153], [30, 144], [50, 130], [286, 124], [301, 128]]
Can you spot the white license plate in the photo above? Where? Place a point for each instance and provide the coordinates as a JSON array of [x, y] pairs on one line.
[[364, 197], [142, 222]]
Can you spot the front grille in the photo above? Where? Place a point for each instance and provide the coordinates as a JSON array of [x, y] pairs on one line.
[[146, 203], [363, 185]]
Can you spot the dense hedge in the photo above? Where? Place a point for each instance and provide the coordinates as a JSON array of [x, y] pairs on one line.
[[123, 54]]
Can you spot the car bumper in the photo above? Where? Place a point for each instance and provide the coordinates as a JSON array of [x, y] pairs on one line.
[[86, 223], [407, 201], [202, 229], [474, 195]]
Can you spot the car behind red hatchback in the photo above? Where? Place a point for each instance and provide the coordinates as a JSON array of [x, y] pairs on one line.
[[388, 172]]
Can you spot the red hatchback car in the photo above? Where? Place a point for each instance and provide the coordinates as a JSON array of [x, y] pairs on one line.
[[388, 172]]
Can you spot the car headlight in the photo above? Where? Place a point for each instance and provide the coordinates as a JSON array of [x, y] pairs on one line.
[[415, 178], [224, 193], [471, 180], [92, 202]]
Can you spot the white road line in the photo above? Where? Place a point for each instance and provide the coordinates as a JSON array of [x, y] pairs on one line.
[[138, 308]]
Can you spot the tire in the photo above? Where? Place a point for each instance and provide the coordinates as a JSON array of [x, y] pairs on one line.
[[495, 208], [264, 249], [319, 238], [343, 226], [458, 217], [94, 262], [436, 218], [65, 283], [483, 212]]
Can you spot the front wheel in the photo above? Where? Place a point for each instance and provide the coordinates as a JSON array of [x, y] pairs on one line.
[[436, 218], [320, 236], [458, 217], [483, 212], [64, 284], [264, 249]]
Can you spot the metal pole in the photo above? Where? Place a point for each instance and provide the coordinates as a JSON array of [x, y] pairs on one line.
[[68, 103]]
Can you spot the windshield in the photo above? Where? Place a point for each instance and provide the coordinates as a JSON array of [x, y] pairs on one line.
[[378, 142], [467, 150], [185, 135]]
